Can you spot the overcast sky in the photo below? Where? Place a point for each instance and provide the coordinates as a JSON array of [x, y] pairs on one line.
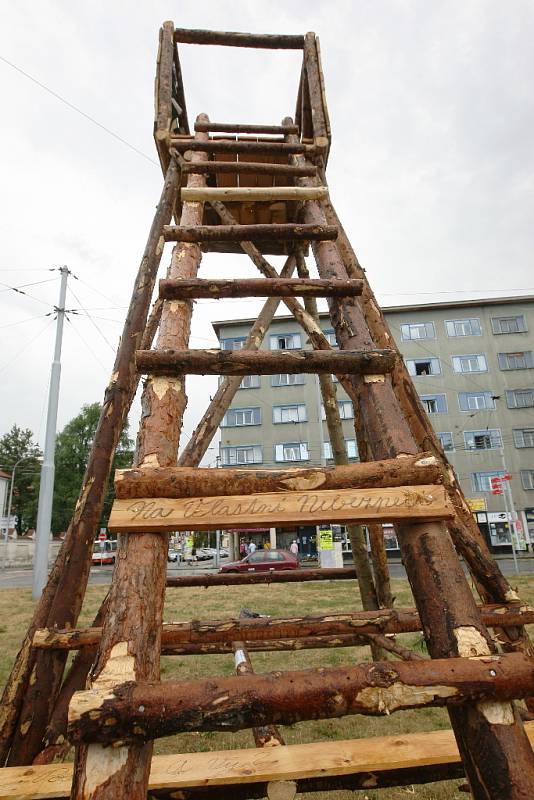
[[431, 168]]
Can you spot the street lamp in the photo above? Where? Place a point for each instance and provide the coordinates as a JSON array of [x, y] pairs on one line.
[[10, 501]]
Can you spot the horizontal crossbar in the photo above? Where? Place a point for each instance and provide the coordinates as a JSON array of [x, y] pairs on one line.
[[199, 482], [270, 41], [253, 194], [264, 362], [143, 711], [248, 233], [318, 766], [232, 127], [241, 146], [273, 576], [215, 288], [254, 167]]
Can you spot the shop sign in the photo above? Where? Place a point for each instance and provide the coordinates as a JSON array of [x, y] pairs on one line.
[[477, 503], [326, 538]]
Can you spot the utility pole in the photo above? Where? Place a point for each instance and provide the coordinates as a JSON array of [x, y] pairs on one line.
[[46, 489]]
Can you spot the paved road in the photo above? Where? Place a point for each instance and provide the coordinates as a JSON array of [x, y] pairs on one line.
[[19, 578]]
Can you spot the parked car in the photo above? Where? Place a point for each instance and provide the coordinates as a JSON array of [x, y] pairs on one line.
[[263, 561], [173, 555], [104, 552]]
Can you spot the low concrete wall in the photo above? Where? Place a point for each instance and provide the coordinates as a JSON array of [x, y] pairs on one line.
[[20, 552]]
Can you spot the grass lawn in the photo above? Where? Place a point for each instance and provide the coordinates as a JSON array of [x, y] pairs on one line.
[[277, 600]]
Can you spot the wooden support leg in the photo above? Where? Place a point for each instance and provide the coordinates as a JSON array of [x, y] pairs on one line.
[[131, 639], [452, 625], [27, 705]]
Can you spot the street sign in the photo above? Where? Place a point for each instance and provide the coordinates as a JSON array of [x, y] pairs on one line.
[[102, 536], [496, 484], [477, 503]]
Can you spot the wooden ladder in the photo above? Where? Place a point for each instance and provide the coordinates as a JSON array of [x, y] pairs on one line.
[[406, 481]]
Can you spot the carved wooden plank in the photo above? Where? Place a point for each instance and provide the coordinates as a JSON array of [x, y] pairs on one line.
[[376, 754], [254, 194], [217, 288], [422, 503]]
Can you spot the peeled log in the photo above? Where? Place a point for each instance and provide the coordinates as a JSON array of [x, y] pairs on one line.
[[215, 288], [142, 711], [248, 233]]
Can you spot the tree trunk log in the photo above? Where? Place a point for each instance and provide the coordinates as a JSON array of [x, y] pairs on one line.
[[256, 287], [253, 194], [137, 711], [246, 578], [231, 127], [28, 706], [263, 362], [249, 167], [248, 233], [199, 482], [265, 735], [240, 146], [239, 39], [380, 566]]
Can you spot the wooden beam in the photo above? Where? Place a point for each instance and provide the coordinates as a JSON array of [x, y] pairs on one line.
[[162, 125], [320, 131], [268, 41], [246, 578], [254, 194], [247, 233], [216, 288], [240, 146], [231, 127], [423, 503], [198, 482], [374, 363], [262, 629], [249, 167], [372, 759], [264, 735], [137, 712]]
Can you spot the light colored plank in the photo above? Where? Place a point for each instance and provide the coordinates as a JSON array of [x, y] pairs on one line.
[[421, 503], [257, 765], [254, 193]]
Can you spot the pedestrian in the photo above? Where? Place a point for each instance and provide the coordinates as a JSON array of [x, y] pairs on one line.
[[242, 548], [251, 548], [294, 548]]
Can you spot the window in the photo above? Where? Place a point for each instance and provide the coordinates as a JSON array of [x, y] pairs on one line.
[[352, 449], [513, 324], [463, 327], [285, 341], [294, 413], [423, 366], [273, 555], [249, 382], [331, 338], [246, 454], [288, 379], [334, 379], [481, 480], [520, 398], [237, 417], [293, 451], [447, 442], [487, 439], [524, 437], [527, 478], [417, 330], [472, 363], [434, 403], [256, 558], [476, 401], [346, 410], [236, 343], [522, 360]]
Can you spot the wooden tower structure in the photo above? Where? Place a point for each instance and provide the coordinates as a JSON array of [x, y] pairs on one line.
[[261, 190]]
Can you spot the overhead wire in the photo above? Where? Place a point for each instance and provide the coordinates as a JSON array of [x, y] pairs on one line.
[[88, 315], [27, 344]]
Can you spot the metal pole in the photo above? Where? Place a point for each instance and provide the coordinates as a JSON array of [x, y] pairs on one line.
[[46, 489], [217, 548], [510, 510], [9, 502]]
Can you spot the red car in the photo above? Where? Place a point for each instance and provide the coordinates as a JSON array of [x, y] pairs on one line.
[[263, 561]]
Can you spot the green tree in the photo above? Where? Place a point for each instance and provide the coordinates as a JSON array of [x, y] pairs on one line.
[[72, 451], [15, 445]]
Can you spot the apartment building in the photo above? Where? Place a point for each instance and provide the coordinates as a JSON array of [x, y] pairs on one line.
[[472, 363]]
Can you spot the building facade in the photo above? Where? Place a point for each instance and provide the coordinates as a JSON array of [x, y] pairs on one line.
[[472, 364]]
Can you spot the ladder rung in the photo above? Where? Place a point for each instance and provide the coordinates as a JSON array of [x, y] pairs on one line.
[[230, 127], [249, 233], [248, 167], [221, 146], [262, 362], [267, 41], [199, 482], [192, 288], [255, 194]]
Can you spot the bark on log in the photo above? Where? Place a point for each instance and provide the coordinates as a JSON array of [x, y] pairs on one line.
[[256, 287], [264, 735], [136, 712], [212, 418], [164, 82], [28, 706], [444, 600], [239, 39], [256, 168], [246, 578], [248, 233], [271, 628], [131, 637], [380, 566], [198, 482], [231, 127], [262, 362], [320, 130], [266, 148], [253, 194]]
